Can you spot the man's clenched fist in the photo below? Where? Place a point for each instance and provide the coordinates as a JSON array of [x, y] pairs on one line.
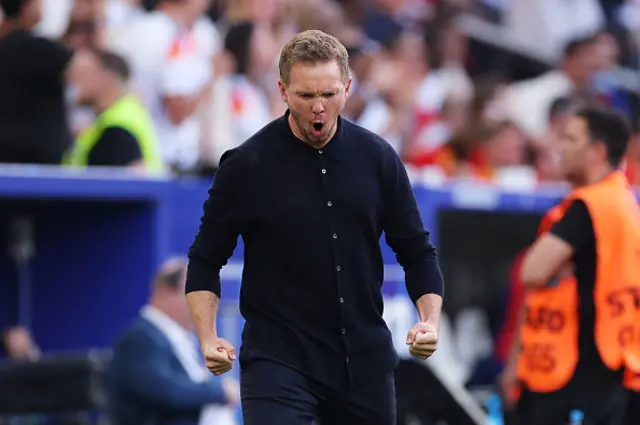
[[422, 340], [219, 355]]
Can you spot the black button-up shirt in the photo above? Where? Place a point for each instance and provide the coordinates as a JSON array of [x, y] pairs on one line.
[[311, 221]]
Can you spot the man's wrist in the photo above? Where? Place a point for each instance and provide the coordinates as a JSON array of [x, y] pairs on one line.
[[207, 336], [432, 321], [429, 307]]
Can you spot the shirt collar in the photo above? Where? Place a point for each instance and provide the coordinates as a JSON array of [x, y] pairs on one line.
[[164, 323]]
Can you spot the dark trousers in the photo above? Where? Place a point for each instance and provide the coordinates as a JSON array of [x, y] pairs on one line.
[[609, 408], [274, 394], [633, 409]]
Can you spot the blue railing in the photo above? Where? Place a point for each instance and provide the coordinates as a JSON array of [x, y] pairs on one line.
[[99, 236]]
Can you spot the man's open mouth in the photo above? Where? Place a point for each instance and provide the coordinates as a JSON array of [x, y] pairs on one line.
[[318, 126]]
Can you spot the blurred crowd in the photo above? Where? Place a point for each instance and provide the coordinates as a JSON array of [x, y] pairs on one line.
[[166, 86]]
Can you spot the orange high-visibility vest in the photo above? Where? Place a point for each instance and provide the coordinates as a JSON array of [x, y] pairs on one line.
[[549, 336]]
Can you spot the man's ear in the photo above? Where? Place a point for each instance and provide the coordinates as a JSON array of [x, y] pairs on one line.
[[283, 91]]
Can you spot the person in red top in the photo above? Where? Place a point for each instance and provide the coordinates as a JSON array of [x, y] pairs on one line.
[[515, 300], [478, 153]]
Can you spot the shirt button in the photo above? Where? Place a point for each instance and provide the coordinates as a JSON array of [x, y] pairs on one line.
[[347, 359], [343, 330], [320, 151], [338, 268], [335, 236], [341, 300], [324, 171], [329, 203]]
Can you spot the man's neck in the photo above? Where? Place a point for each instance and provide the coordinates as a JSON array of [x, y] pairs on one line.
[[9, 25], [107, 100], [597, 174]]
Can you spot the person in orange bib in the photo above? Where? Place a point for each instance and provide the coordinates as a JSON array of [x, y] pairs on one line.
[[581, 329]]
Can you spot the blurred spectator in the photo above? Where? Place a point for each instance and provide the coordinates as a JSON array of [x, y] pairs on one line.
[[547, 152], [156, 373], [547, 25], [85, 30], [605, 86], [55, 18], [123, 132], [118, 14], [627, 16], [528, 101], [252, 10], [171, 53], [392, 81], [362, 56], [480, 153], [33, 118], [85, 25], [489, 101], [19, 344], [388, 16], [443, 80], [252, 48]]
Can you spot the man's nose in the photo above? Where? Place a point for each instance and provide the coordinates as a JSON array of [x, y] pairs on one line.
[[318, 106]]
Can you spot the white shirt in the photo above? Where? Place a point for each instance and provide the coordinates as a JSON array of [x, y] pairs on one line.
[[528, 102], [55, 18], [547, 25], [376, 117], [168, 60], [250, 109]]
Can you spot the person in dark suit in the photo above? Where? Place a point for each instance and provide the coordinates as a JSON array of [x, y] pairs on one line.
[[156, 375]]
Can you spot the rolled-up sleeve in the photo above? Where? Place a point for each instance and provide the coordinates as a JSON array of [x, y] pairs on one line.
[[405, 233], [220, 226]]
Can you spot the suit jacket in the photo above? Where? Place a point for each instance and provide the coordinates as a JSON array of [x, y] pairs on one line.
[[146, 384]]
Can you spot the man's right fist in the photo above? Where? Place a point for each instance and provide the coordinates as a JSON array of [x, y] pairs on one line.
[[219, 355]]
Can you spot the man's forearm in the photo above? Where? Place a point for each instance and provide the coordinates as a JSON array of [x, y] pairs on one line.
[[429, 308], [204, 309]]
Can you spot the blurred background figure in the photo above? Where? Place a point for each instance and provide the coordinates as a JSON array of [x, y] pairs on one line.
[[528, 101], [171, 51], [242, 104], [33, 116], [123, 133], [18, 344], [156, 373]]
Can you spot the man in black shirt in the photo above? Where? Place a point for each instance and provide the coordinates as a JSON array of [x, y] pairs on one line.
[[593, 145], [33, 119], [310, 194]]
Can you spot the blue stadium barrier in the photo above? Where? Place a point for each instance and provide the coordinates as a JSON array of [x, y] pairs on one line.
[[99, 237]]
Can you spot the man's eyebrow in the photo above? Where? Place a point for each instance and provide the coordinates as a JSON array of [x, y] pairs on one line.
[[306, 93]]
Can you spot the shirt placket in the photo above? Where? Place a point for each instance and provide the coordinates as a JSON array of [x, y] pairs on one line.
[[324, 171]]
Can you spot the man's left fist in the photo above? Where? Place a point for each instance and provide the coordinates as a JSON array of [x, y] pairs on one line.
[[422, 340]]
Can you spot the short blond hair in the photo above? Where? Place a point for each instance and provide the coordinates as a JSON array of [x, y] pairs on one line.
[[312, 46]]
